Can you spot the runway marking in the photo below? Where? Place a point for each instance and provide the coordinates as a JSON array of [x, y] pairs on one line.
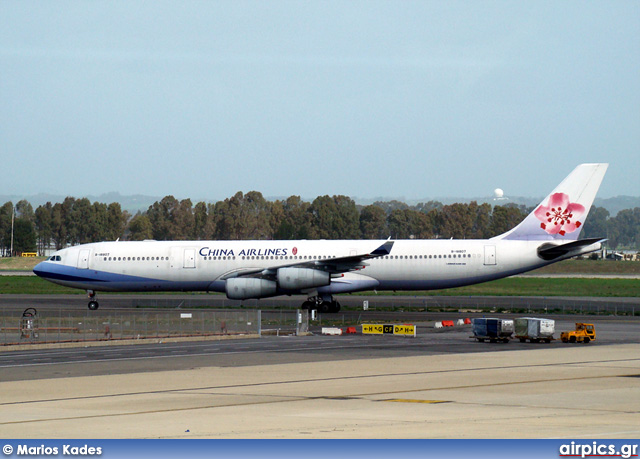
[[407, 400]]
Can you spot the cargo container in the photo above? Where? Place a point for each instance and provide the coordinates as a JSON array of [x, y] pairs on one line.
[[535, 330], [492, 329]]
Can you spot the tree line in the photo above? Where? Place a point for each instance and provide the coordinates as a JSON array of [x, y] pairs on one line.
[[251, 216]]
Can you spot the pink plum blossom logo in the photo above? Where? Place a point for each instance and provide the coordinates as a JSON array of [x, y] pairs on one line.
[[560, 215]]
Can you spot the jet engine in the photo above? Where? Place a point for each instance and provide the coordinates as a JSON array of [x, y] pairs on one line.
[[302, 278], [243, 288]]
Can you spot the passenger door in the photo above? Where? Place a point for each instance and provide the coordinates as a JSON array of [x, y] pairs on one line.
[[189, 258], [83, 259], [489, 254]]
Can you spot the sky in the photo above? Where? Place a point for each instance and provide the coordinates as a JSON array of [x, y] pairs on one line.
[[201, 99]]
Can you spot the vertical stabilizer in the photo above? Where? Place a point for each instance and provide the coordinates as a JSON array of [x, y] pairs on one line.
[[560, 215]]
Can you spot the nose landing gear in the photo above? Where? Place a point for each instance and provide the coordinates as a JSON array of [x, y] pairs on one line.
[[93, 304]]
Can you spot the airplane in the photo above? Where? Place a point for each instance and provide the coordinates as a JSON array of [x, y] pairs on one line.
[[320, 269]]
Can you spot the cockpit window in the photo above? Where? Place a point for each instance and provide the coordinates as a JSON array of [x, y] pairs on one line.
[[55, 258]]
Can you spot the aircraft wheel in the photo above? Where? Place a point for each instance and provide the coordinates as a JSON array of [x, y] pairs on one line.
[[335, 306], [324, 307], [93, 305]]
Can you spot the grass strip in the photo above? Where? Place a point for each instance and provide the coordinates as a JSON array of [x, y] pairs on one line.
[[518, 286]]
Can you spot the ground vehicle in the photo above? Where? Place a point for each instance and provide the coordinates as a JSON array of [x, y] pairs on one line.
[[535, 330], [492, 330], [584, 333]]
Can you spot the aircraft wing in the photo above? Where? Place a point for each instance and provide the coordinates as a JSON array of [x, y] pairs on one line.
[[331, 265]]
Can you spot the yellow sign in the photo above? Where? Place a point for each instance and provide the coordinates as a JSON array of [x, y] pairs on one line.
[[372, 329], [380, 329], [404, 330]]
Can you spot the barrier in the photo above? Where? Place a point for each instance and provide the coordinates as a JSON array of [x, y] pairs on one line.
[[460, 322], [467, 321], [438, 325], [351, 330], [331, 331], [447, 323]]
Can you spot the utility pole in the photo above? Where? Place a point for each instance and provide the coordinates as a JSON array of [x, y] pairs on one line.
[[13, 214]]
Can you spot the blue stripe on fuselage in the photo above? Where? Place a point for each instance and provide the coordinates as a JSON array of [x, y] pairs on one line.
[[64, 274]]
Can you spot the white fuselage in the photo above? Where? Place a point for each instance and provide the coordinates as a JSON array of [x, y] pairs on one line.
[[202, 265]]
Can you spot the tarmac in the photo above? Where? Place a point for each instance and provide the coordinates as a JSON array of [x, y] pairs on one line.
[[581, 391]]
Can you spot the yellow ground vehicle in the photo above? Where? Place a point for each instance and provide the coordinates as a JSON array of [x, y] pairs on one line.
[[584, 333]]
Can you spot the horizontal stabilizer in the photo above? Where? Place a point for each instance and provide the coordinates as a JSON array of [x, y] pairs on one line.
[[552, 251]]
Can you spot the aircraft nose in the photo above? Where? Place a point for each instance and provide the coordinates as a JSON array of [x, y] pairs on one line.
[[40, 269]]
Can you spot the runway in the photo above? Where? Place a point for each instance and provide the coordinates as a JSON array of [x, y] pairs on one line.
[[437, 385], [576, 392], [100, 358]]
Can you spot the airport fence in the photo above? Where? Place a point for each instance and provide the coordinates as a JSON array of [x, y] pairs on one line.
[[47, 326], [520, 305], [285, 322]]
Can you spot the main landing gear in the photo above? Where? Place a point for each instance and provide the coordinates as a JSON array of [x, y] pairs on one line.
[[324, 305], [93, 304]]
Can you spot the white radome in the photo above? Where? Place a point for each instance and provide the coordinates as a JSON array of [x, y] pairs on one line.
[[498, 193]]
